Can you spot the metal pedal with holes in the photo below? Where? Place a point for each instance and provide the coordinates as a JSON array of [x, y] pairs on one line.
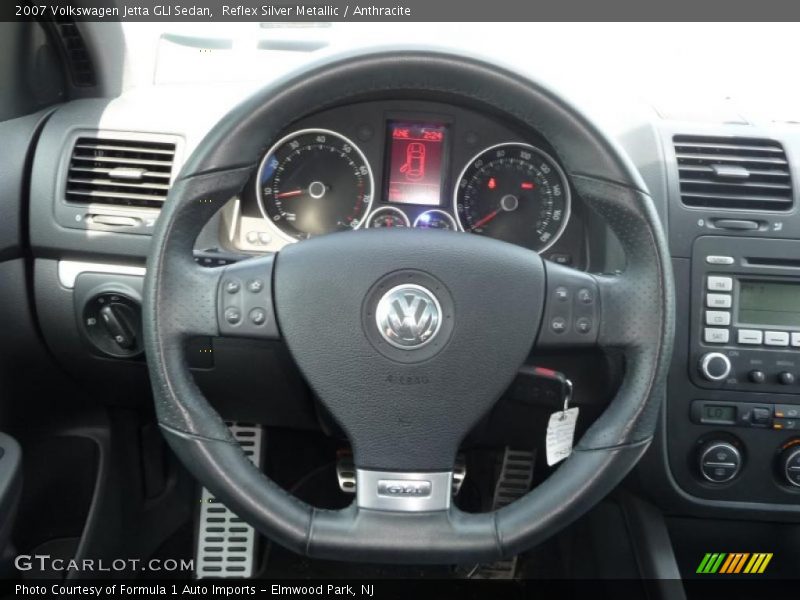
[[516, 476], [226, 545]]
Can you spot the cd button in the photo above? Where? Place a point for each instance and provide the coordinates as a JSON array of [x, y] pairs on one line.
[[776, 338], [750, 336], [720, 284], [718, 317]]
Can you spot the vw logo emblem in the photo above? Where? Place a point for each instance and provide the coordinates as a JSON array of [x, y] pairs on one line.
[[408, 316]]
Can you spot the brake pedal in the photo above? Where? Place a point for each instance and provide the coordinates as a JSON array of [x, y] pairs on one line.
[[346, 472], [516, 477], [226, 545]]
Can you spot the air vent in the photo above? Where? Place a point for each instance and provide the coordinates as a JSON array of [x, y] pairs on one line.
[[120, 172], [80, 63], [733, 172]]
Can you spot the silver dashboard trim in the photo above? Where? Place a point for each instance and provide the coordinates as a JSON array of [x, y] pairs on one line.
[[404, 491], [68, 270]]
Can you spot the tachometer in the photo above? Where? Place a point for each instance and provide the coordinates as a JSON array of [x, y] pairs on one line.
[[516, 193], [313, 182]]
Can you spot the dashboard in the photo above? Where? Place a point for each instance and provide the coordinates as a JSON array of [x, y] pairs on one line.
[[401, 164]]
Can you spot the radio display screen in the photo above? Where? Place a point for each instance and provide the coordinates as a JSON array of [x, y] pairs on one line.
[[416, 163], [769, 303]]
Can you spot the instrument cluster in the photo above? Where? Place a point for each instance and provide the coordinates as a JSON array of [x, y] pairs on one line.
[[381, 165]]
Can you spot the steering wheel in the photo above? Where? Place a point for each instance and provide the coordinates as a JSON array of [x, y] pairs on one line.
[[408, 337]]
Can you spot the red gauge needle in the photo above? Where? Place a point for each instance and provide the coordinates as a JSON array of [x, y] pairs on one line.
[[486, 219], [289, 194]]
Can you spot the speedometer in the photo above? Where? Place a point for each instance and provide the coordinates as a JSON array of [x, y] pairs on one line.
[[313, 182], [516, 193]]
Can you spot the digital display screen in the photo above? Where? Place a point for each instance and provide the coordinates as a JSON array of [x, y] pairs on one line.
[[416, 163], [769, 303], [719, 413]]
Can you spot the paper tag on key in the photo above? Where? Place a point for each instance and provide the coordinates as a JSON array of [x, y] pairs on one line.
[[560, 435]]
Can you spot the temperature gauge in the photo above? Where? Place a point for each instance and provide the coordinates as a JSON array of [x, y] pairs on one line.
[[388, 216], [435, 219]]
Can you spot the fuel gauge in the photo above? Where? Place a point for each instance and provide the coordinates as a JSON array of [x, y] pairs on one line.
[[435, 219]]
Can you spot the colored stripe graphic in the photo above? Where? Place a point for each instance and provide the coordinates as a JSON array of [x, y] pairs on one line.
[[734, 563]]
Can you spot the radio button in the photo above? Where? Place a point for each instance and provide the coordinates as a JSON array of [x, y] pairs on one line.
[[713, 335], [719, 260], [718, 317], [796, 339], [750, 336], [776, 338], [720, 284], [718, 300]]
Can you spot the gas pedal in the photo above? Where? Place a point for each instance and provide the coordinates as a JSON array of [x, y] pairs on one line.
[[226, 545], [516, 477], [346, 472]]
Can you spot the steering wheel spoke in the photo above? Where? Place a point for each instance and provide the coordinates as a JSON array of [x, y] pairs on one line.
[[572, 310]]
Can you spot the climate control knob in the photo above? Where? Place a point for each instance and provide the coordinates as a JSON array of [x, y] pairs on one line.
[[715, 366], [720, 461], [789, 466]]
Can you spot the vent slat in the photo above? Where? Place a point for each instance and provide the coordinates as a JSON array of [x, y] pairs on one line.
[[120, 172], [733, 172]]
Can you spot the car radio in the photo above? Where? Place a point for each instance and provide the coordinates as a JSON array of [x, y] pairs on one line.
[[745, 330]]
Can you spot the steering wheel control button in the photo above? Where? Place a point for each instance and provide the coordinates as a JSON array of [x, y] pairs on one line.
[[248, 314], [715, 366], [585, 296], [255, 286], [720, 284], [562, 294], [258, 316], [558, 324], [583, 325], [720, 461], [408, 316]]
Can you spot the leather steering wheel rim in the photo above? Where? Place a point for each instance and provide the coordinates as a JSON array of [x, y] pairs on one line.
[[182, 300]]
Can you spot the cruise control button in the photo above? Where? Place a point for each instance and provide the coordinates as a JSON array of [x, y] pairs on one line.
[[776, 338], [720, 284], [716, 336], [718, 317], [750, 336], [718, 300]]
